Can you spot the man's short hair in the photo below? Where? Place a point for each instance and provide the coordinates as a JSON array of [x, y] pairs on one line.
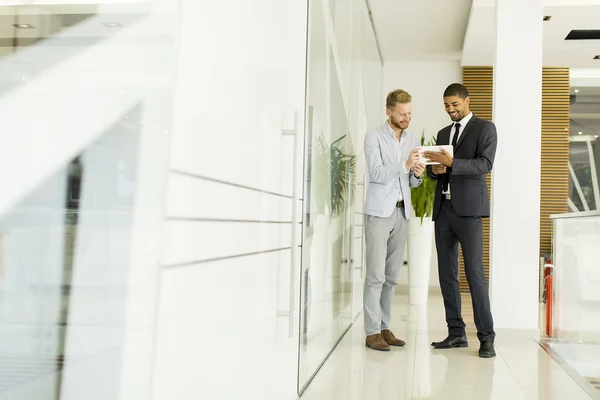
[[397, 96], [456, 89]]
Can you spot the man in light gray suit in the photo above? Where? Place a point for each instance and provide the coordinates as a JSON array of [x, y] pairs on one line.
[[393, 168]]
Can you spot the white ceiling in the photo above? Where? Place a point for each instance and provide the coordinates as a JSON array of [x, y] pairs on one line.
[[479, 41], [410, 30]]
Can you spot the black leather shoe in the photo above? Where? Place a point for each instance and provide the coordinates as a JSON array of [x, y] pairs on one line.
[[451, 342], [486, 350]]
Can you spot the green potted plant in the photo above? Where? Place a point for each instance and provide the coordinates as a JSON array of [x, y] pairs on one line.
[[420, 238], [423, 195]]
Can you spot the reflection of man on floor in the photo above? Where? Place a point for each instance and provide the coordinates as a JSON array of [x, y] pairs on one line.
[[471, 380], [393, 168]]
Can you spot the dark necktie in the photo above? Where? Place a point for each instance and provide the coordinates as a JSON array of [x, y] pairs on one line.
[[449, 170], [456, 132]]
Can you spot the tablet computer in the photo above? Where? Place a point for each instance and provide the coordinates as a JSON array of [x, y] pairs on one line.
[[449, 149]]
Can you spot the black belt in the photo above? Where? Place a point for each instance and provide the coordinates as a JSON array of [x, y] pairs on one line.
[[400, 204]]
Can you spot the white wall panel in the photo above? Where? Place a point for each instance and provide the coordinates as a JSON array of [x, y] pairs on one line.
[[189, 241], [225, 326], [190, 197], [238, 92]]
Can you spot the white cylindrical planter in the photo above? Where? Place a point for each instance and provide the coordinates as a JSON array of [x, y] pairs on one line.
[[420, 237]]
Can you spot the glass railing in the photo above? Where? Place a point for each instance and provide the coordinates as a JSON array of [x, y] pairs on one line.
[[572, 298], [576, 281]]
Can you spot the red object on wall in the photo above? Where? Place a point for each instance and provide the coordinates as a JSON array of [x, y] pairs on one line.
[[548, 274]]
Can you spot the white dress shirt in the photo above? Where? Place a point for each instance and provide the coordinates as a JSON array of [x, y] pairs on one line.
[[398, 146], [463, 122]]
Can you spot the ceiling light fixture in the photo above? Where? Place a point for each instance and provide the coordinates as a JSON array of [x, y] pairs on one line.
[[547, 18], [23, 26], [596, 136], [583, 34], [112, 24], [580, 132], [576, 90]]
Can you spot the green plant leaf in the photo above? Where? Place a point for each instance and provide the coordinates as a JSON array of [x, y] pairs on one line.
[[338, 169]]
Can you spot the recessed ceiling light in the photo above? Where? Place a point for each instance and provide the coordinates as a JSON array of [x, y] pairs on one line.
[[23, 26], [580, 132], [112, 24], [597, 58], [547, 17], [583, 34], [576, 90]]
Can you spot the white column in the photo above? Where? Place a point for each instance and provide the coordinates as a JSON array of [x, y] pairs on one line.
[[515, 223]]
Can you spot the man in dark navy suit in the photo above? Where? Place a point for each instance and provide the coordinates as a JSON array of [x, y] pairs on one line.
[[461, 201]]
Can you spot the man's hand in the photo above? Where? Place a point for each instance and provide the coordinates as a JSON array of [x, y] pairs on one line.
[[442, 157], [418, 170], [438, 169], [413, 158]]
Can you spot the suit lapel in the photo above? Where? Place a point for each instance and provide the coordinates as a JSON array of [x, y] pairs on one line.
[[465, 132], [445, 139]]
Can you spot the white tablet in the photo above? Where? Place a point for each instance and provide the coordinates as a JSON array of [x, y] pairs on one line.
[[449, 149]]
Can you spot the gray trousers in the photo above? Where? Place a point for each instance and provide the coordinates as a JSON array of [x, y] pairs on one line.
[[385, 239]]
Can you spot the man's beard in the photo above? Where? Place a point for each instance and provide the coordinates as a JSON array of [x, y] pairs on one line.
[[398, 124], [458, 117]]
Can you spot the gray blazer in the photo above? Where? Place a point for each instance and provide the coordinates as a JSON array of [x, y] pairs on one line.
[[474, 155], [384, 170]]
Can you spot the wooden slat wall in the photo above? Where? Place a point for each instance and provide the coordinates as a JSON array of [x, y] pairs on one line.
[[555, 147], [556, 107], [480, 84]]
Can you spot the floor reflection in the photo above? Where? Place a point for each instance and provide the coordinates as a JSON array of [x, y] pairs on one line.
[[521, 370]]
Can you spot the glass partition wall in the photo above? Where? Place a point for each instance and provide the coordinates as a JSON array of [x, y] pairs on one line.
[[344, 75]]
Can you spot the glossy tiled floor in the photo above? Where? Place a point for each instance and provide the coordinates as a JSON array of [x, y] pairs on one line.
[[521, 370]]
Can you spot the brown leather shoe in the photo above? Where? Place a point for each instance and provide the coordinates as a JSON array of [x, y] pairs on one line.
[[390, 339], [376, 342]]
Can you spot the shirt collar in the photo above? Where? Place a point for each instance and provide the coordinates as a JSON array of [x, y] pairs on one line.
[[388, 129]]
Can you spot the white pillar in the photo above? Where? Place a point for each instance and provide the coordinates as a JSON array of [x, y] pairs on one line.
[[515, 222]]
